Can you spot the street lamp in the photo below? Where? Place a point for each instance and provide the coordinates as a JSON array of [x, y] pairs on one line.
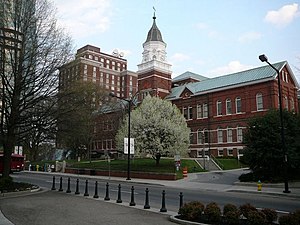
[[264, 58], [128, 143]]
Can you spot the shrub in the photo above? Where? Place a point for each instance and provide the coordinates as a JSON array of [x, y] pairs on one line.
[[290, 219], [231, 214], [212, 212], [246, 209], [6, 183], [229, 208], [256, 218], [232, 218], [192, 210], [271, 215]]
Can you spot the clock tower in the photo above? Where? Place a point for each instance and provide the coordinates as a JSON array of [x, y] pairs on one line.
[[154, 73]]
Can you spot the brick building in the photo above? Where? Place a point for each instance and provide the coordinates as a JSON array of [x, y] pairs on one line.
[[216, 109], [109, 71]]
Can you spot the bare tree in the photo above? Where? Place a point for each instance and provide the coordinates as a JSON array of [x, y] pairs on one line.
[[77, 115], [32, 48]]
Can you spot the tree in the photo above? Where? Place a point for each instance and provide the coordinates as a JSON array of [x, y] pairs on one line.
[[158, 128], [32, 48], [263, 152], [77, 112]]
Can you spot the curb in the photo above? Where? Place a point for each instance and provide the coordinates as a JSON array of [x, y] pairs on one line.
[[264, 193], [19, 193], [184, 222]]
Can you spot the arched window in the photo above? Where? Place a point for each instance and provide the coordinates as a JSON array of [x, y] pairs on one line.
[[259, 102], [219, 108], [228, 106], [238, 105]]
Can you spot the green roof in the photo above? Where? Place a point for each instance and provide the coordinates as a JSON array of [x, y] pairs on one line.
[[246, 77], [188, 75]]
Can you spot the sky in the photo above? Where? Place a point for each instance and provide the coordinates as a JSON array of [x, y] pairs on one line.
[[207, 37]]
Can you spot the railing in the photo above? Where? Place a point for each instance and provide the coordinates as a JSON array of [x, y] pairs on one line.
[[218, 162]]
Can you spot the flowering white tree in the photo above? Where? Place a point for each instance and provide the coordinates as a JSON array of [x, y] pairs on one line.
[[158, 128]]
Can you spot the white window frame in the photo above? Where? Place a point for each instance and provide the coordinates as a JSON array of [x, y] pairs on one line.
[[259, 102], [200, 137], [239, 134], [229, 134], [220, 135], [219, 108], [199, 111], [228, 106], [238, 108], [205, 110]]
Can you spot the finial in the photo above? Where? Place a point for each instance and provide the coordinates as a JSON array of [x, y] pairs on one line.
[[154, 17]]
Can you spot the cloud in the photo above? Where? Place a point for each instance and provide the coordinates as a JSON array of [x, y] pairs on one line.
[[283, 16], [84, 18], [249, 37], [179, 57], [232, 67], [201, 26]]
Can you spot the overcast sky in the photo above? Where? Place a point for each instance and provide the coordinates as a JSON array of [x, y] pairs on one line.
[[208, 37]]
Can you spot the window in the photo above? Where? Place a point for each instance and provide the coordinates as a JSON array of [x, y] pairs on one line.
[[190, 109], [238, 105], [220, 135], [191, 138], [206, 136], [228, 106], [199, 137], [185, 113], [229, 134], [239, 134], [199, 111], [205, 110], [259, 102], [220, 152], [292, 104], [286, 103], [230, 152], [188, 113], [219, 108]]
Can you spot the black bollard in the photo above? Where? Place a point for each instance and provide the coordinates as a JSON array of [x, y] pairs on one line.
[[163, 202], [147, 206], [77, 187], [107, 193], [96, 190], [53, 184], [132, 203], [60, 185], [119, 200], [86, 193], [180, 200], [68, 189]]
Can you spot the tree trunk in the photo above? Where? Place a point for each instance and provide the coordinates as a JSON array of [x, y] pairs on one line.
[[157, 158], [7, 158]]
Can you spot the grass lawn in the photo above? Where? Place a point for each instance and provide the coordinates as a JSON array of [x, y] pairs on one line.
[[229, 164], [145, 165]]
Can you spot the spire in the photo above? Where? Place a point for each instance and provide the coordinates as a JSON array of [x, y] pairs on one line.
[[154, 33]]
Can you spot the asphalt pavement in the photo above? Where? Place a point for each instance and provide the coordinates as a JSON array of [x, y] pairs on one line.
[[48, 207]]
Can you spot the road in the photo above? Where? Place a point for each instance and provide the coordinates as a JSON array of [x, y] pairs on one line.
[[222, 197]]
